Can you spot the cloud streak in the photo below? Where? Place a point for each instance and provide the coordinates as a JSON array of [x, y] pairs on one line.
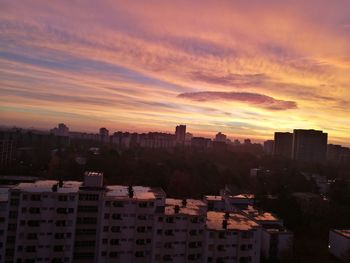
[[257, 100], [125, 62]]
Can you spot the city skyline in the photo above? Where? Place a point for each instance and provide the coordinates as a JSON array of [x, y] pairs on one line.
[[243, 69]]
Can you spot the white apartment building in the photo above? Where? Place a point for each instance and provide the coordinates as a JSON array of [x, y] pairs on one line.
[[231, 237], [339, 244], [66, 221], [276, 240]]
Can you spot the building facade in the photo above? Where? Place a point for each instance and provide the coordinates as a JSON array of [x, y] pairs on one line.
[[69, 221], [309, 146], [283, 142]]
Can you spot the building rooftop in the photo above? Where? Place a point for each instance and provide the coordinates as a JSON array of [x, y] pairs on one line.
[[213, 197], [243, 196], [188, 207], [46, 186], [139, 192], [343, 232], [235, 221], [259, 215]]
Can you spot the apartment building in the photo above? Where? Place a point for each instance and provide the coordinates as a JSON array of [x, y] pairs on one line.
[[276, 240], [231, 237], [68, 221], [180, 231]]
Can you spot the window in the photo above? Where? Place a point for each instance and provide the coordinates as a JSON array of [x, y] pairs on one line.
[[113, 254], [62, 198], [32, 236], [114, 242], [35, 197], [118, 204], [34, 210], [169, 220], [141, 229], [58, 248], [60, 223], [115, 229], [33, 223], [140, 241], [117, 216], [59, 236], [88, 197], [87, 208], [30, 249]]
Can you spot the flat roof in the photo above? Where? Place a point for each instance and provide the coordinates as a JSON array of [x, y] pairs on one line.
[[235, 221], [193, 207], [243, 196], [213, 197], [46, 186], [259, 215], [343, 232], [140, 192]]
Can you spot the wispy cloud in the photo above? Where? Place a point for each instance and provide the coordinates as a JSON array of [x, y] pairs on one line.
[[254, 99], [126, 62]]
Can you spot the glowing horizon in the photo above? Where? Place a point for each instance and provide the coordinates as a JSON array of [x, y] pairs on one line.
[[243, 68]]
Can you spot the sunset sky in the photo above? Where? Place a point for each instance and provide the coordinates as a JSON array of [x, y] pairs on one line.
[[245, 68]]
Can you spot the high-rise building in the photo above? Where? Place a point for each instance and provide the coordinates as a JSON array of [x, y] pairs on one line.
[[61, 130], [7, 150], [180, 133], [309, 146], [104, 135], [220, 137], [283, 144], [268, 146]]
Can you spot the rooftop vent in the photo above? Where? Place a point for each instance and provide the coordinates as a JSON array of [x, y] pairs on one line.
[[184, 202], [224, 224], [54, 188], [177, 209], [130, 192], [227, 215]]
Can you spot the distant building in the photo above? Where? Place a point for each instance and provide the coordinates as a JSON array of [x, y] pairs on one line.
[[339, 244], [61, 130], [309, 146], [338, 154], [200, 143], [220, 137], [7, 150], [268, 146], [104, 135], [283, 142], [247, 141], [180, 133], [236, 142]]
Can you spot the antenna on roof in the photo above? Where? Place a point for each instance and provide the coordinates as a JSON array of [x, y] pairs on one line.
[[224, 224], [130, 191], [54, 188]]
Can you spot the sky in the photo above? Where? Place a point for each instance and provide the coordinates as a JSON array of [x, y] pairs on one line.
[[244, 68]]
